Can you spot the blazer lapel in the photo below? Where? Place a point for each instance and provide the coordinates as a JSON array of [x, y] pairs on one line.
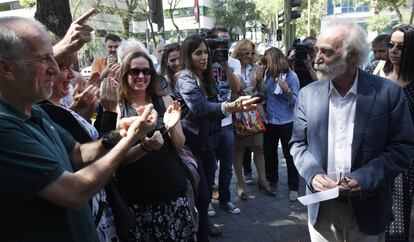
[[322, 115], [364, 102]]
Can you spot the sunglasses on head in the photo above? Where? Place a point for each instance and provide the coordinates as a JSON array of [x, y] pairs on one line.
[[248, 52], [399, 46], [137, 71]]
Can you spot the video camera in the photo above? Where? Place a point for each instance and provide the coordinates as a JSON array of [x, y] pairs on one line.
[[219, 48], [301, 53]]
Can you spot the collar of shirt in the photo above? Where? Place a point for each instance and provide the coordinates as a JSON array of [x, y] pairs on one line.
[[247, 72], [9, 109]]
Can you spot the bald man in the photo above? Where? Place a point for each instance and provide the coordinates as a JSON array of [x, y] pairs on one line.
[[351, 131]]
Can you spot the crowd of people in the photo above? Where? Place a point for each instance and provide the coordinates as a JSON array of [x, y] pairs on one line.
[[105, 159]]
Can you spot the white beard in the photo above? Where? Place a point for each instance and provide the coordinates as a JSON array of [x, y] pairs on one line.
[[328, 73]]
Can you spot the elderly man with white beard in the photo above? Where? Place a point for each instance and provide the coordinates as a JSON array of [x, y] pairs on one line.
[[351, 130]]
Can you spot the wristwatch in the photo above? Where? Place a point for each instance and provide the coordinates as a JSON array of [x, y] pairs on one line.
[[109, 140]]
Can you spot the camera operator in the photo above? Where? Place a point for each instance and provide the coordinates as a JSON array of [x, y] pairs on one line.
[[301, 59], [227, 74]]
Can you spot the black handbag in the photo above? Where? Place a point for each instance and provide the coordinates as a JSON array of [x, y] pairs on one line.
[[123, 218]]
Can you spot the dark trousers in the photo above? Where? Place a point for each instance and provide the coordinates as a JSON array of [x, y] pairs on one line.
[[225, 154], [247, 161], [206, 164], [272, 136]]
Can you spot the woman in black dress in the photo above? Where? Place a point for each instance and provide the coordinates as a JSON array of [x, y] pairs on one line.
[[154, 186], [400, 68]]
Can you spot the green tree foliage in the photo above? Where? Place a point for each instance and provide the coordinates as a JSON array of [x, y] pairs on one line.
[[379, 23], [27, 3], [268, 12], [234, 14], [126, 11], [317, 11], [397, 6]]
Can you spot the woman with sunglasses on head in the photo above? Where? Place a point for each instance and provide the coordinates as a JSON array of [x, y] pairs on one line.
[[400, 68], [251, 83], [201, 117], [154, 186]]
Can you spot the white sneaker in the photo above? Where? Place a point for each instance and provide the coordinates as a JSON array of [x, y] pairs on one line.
[[230, 207], [211, 212], [293, 196], [248, 179]]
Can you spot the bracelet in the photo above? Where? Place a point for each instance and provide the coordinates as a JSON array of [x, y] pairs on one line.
[[144, 149]]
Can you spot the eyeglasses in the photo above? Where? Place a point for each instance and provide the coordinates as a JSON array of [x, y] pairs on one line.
[[248, 53], [137, 71], [399, 46]]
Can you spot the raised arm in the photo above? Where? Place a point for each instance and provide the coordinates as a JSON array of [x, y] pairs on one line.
[[73, 190]]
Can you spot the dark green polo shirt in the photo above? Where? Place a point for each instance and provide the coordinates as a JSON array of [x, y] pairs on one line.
[[33, 153]]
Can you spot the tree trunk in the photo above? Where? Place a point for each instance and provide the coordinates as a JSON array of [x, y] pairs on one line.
[[125, 22], [152, 29], [55, 15], [397, 10], [175, 25], [412, 13]]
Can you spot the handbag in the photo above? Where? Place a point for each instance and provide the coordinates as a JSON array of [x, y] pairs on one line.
[[123, 218], [190, 167], [192, 179], [248, 123]]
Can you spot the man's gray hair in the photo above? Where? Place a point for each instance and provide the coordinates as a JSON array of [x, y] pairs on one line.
[[357, 43], [129, 45], [13, 47]]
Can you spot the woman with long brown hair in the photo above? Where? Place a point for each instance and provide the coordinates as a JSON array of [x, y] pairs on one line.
[[154, 185], [281, 89]]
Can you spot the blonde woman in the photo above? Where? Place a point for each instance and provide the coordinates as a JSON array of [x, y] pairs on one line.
[[251, 83]]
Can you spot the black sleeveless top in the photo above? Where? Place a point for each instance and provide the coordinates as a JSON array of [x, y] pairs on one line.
[[159, 175]]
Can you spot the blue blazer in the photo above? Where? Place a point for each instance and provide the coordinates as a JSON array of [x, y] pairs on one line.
[[201, 116], [383, 143]]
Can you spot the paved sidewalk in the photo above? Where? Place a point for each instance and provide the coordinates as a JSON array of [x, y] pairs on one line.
[[264, 218]]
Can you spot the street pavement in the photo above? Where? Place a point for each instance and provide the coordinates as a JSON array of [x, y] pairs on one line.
[[263, 218]]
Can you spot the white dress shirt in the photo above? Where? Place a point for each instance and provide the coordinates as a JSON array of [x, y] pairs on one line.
[[341, 130]]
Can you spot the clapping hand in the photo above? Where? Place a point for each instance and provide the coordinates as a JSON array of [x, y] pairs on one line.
[[172, 115], [94, 80], [155, 142], [136, 127], [85, 102], [115, 72], [87, 98], [283, 85], [109, 94]]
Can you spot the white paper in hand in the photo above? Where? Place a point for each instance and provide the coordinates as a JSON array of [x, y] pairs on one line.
[[319, 196]]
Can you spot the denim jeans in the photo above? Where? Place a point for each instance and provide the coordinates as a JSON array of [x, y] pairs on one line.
[[206, 164], [225, 155]]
